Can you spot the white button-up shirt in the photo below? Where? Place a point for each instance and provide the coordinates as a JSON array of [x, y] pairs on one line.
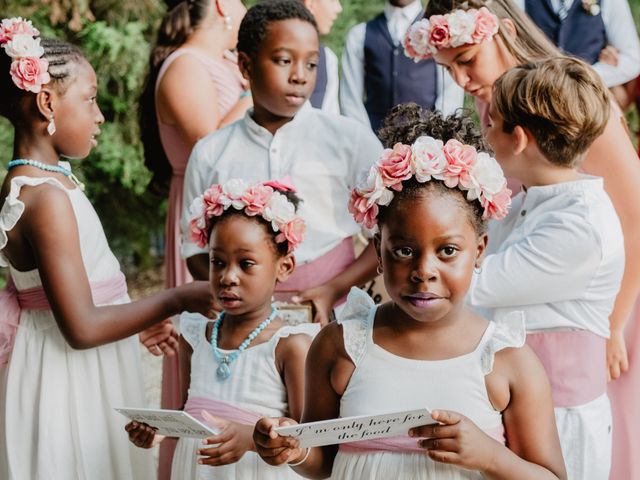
[[621, 34], [449, 96], [323, 153], [558, 256]]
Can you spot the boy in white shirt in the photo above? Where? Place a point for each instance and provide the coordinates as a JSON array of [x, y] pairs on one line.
[[282, 136], [559, 254]]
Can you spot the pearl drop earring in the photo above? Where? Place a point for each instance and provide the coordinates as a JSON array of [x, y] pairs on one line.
[[227, 22], [51, 128]]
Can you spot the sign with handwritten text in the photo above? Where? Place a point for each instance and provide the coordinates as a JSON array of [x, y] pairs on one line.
[[172, 423], [355, 429]]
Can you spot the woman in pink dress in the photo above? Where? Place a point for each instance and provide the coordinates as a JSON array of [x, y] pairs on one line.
[[194, 87]]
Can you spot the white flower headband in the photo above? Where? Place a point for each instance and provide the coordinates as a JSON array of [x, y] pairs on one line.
[[460, 27], [455, 164], [20, 41], [263, 199]]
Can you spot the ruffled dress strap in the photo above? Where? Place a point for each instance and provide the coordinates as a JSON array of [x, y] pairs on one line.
[[193, 328], [13, 207], [356, 320], [309, 329], [509, 331]]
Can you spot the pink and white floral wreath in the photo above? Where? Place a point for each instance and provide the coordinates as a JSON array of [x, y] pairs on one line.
[[455, 164], [263, 199], [20, 41], [460, 27]]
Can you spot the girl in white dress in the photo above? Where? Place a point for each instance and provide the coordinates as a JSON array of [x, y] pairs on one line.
[[247, 364], [487, 391], [67, 354]]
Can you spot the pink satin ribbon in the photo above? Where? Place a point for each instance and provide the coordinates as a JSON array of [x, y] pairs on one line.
[[403, 443], [318, 271], [12, 302], [226, 411], [575, 362]]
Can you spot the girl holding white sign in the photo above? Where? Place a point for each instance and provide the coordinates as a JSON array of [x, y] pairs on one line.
[[247, 364], [430, 198]]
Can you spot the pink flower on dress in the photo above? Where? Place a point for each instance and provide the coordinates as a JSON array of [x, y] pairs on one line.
[[395, 166], [439, 36], [486, 25], [256, 198], [197, 234], [214, 201], [30, 73], [16, 26], [292, 233], [460, 160], [498, 206]]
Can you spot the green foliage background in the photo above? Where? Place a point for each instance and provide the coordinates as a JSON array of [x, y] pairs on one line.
[[116, 35]]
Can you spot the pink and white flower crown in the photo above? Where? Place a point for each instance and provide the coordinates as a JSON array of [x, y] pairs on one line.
[[20, 41], [263, 199], [460, 27], [455, 164]]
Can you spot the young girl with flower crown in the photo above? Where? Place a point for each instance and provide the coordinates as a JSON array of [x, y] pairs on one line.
[[430, 198], [67, 355], [247, 364], [479, 40]]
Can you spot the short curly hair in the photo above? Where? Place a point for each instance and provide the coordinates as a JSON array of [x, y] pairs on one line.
[[253, 27], [404, 124]]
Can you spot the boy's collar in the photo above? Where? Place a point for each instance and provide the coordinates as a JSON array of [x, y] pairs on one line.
[[261, 131], [411, 11]]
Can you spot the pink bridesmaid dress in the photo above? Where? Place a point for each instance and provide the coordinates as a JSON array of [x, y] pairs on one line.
[[228, 80]]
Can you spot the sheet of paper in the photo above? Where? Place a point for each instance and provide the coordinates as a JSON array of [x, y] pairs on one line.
[[355, 429], [172, 423]]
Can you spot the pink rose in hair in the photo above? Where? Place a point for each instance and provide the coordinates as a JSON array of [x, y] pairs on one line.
[[439, 36], [214, 201], [428, 159], [416, 40], [460, 160], [498, 206], [292, 232], [16, 26], [395, 165], [256, 198], [30, 73], [197, 234], [363, 211], [486, 25]]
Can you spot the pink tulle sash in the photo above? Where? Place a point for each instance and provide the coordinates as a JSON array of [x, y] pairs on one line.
[[403, 443], [12, 302], [575, 362], [195, 406]]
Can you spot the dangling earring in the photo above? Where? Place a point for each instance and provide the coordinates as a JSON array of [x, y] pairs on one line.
[[477, 269], [226, 18], [379, 269], [51, 128]]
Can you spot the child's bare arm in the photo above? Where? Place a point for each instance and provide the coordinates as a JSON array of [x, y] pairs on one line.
[[49, 227], [322, 402], [291, 354], [534, 448]]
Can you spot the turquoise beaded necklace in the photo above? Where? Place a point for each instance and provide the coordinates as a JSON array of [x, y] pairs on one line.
[[48, 168], [224, 371]]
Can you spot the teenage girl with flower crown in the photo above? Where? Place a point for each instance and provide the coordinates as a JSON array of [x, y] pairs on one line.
[[430, 199], [247, 364], [477, 41], [67, 355]]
